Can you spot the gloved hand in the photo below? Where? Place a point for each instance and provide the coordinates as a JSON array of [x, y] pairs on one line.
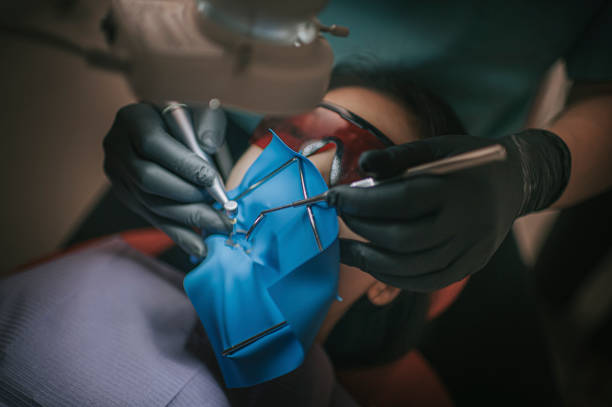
[[430, 231], [159, 178]]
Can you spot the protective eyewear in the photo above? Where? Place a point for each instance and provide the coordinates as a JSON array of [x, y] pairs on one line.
[[322, 129]]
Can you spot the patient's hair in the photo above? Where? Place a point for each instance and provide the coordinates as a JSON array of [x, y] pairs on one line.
[[435, 116], [368, 334]]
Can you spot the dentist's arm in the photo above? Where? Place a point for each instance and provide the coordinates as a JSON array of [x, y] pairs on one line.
[[586, 127], [429, 232]]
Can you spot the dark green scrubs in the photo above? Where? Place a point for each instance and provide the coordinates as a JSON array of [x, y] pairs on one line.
[[486, 58]]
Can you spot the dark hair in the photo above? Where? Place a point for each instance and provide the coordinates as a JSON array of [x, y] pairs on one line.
[[435, 116], [368, 334]]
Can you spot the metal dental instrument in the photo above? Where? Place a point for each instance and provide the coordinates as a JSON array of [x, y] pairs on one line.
[[311, 218], [261, 215], [179, 122], [247, 342], [264, 179], [447, 165]]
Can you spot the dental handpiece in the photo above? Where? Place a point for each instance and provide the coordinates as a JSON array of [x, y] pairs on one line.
[[178, 121]]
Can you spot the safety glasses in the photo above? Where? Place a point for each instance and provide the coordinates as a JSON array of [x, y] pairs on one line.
[[324, 128]]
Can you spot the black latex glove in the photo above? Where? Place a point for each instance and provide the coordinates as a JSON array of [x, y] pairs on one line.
[[430, 231], [159, 178]]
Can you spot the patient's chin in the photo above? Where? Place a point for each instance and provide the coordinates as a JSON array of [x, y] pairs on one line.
[[352, 284]]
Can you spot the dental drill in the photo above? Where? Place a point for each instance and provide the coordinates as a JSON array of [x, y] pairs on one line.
[[178, 121]]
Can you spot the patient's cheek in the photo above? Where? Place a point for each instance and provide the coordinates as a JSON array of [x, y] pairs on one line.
[[346, 233], [242, 166], [323, 162]]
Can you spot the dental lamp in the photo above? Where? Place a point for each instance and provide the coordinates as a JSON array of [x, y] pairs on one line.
[[264, 56]]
